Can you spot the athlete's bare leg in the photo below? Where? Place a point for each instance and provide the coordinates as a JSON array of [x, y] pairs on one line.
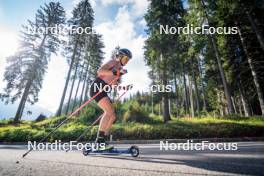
[[109, 115]]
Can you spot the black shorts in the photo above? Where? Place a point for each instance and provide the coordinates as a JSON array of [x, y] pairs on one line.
[[95, 89]]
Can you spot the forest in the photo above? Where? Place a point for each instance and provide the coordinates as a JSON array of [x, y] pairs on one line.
[[217, 79]]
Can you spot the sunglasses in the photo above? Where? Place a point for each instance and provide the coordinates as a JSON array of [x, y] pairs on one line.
[[125, 58]]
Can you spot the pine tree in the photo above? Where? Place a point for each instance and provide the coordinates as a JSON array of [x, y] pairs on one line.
[[158, 54], [82, 18], [26, 68]]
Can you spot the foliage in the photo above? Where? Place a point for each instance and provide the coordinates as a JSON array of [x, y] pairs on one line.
[[206, 127], [135, 113]]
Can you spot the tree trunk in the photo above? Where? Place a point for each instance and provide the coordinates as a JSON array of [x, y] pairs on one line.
[[87, 75], [166, 114], [222, 74], [185, 92], [73, 81], [87, 87], [169, 106], [244, 99], [68, 77], [191, 96], [202, 86], [152, 106], [234, 104], [197, 99], [253, 72], [84, 82], [240, 106], [88, 84], [22, 102], [176, 95], [220, 106], [255, 29], [23, 108], [220, 67], [221, 103], [77, 89]]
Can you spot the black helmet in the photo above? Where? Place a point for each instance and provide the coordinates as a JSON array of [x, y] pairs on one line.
[[126, 52]]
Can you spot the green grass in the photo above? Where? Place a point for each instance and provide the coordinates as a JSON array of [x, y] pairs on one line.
[[206, 127]]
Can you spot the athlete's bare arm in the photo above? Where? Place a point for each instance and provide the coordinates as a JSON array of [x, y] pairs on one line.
[[104, 70]]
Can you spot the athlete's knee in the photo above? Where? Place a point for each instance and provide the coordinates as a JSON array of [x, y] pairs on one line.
[[113, 117], [110, 114]]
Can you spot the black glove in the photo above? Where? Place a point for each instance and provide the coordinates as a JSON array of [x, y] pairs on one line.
[[123, 71], [120, 72], [114, 72]]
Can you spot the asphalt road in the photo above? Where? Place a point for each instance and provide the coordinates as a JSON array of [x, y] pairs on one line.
[[248, 159]]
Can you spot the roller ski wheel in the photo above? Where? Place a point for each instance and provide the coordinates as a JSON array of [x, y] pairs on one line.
[[86, 151], [134, 150]]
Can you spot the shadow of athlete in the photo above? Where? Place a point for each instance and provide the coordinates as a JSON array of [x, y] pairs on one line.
[[107, 75]]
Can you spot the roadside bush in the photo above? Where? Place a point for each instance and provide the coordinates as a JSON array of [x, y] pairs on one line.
[[177, 128], [234, 117], [17, 135], [48, 123], [135, 114], [4, 122], [89, 114]]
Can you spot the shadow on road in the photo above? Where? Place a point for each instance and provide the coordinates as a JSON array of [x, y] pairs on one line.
[[227, 165], [248, 160], [219, 164], [125, 168]]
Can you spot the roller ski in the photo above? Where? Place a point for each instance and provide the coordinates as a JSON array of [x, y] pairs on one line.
[[102, 147], [110, 150]]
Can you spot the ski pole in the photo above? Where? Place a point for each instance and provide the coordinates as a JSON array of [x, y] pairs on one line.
[[95, 122], [70, 116]]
